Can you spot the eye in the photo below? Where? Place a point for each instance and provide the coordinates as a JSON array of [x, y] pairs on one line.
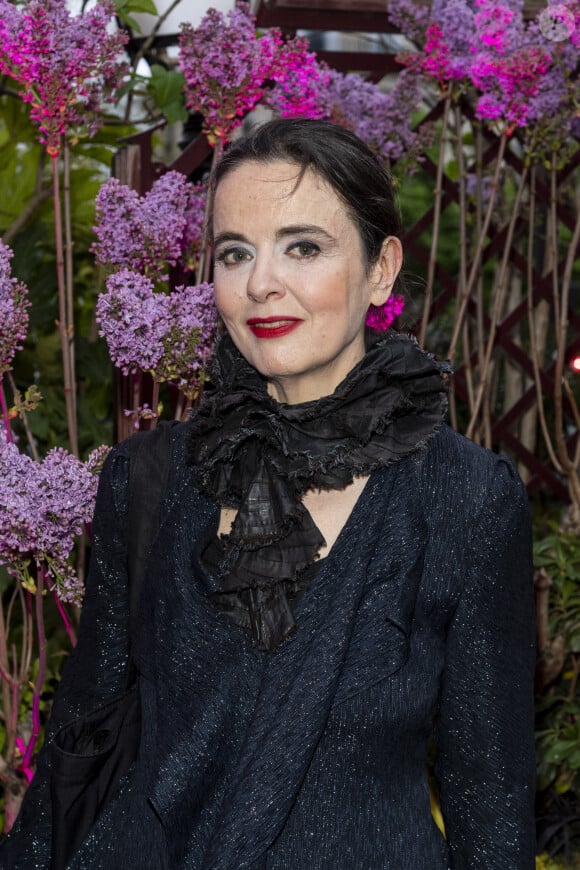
[[304, 250], [232, 256]]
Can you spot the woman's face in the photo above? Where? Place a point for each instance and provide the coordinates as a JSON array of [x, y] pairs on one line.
[[291, 281]]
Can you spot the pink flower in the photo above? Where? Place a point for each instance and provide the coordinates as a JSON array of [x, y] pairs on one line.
[[300, 82], [509, 83], [496, 26], [380, 318], [68, 66], [518, 76]]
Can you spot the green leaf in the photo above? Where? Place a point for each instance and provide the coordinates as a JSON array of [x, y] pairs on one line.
[[560, 750], [574, 643], [125, 8], [166, 90], [452, 170], [142, 6]]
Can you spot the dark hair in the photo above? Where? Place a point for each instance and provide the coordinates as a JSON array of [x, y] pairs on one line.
[[336, 155]]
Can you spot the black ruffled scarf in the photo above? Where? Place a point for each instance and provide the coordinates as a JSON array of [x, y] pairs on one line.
[[260, 456]]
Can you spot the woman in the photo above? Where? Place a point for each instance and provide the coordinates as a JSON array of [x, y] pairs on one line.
[[336, 577]]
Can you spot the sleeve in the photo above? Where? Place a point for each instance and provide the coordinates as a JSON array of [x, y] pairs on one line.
[[485, 730], [96, 668]]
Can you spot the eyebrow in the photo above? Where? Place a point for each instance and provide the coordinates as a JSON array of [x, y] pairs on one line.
[[283, 232], [303, 230], [228, 237]]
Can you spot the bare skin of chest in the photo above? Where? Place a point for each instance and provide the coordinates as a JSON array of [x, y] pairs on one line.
[[329, 509]]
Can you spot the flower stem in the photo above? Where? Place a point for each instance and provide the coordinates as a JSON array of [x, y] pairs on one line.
[[436, 224], [24, 418], [535, 352], [10, 686], [69, 273], [475, 265], [63, 615], [500, 292], [204, 266], [39, 682], [65, 337]]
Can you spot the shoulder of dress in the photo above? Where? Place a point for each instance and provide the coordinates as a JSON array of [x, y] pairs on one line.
[[455, 472], [448, 446]]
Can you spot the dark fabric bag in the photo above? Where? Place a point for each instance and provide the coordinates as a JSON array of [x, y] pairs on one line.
[[93, 752]]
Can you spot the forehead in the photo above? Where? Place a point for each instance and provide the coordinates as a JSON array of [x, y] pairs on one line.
[[267, 193]]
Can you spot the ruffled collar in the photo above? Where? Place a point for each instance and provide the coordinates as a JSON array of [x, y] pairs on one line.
[[260, 456]]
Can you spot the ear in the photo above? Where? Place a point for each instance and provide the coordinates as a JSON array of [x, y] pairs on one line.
[[384, 272]]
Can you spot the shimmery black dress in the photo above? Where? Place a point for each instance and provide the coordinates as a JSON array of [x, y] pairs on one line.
[[419, 622]]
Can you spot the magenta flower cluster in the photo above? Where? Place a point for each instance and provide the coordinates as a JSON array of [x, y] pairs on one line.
[[229, 69], [151, 232], [171, 335], [43, 507], [14, 306], [300, 82], [381, 317], [520, 70], [68, 66]]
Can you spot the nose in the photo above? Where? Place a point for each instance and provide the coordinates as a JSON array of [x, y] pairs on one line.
[[265, 280]]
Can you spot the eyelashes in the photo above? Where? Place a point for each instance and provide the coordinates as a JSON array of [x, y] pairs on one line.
[[298, 250], [232, 256], [304, 250]]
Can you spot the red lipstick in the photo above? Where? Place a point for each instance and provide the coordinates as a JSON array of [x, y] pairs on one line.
[[272, 327]]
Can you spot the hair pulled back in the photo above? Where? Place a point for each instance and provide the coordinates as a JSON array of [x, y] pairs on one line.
[[335, 155]]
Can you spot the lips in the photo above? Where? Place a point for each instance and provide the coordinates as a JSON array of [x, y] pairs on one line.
[[273, 327]]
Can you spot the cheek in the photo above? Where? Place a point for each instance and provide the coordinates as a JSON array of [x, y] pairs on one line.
[[225, 298]]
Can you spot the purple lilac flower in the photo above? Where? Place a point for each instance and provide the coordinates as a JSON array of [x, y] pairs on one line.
[[172, 336], [553, 109], [381, 317], [456, 20], [141, 412], [66, 490], [411, 18], [67, 65], [162, 228], [43, 506], [499, 26], [229, 69], [134, 320], [190, 342], [225, 65], [382, 120], [13, 311], [96, 459], [514, 69]]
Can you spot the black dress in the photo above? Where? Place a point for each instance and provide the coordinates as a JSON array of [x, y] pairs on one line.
[[419, 622]]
